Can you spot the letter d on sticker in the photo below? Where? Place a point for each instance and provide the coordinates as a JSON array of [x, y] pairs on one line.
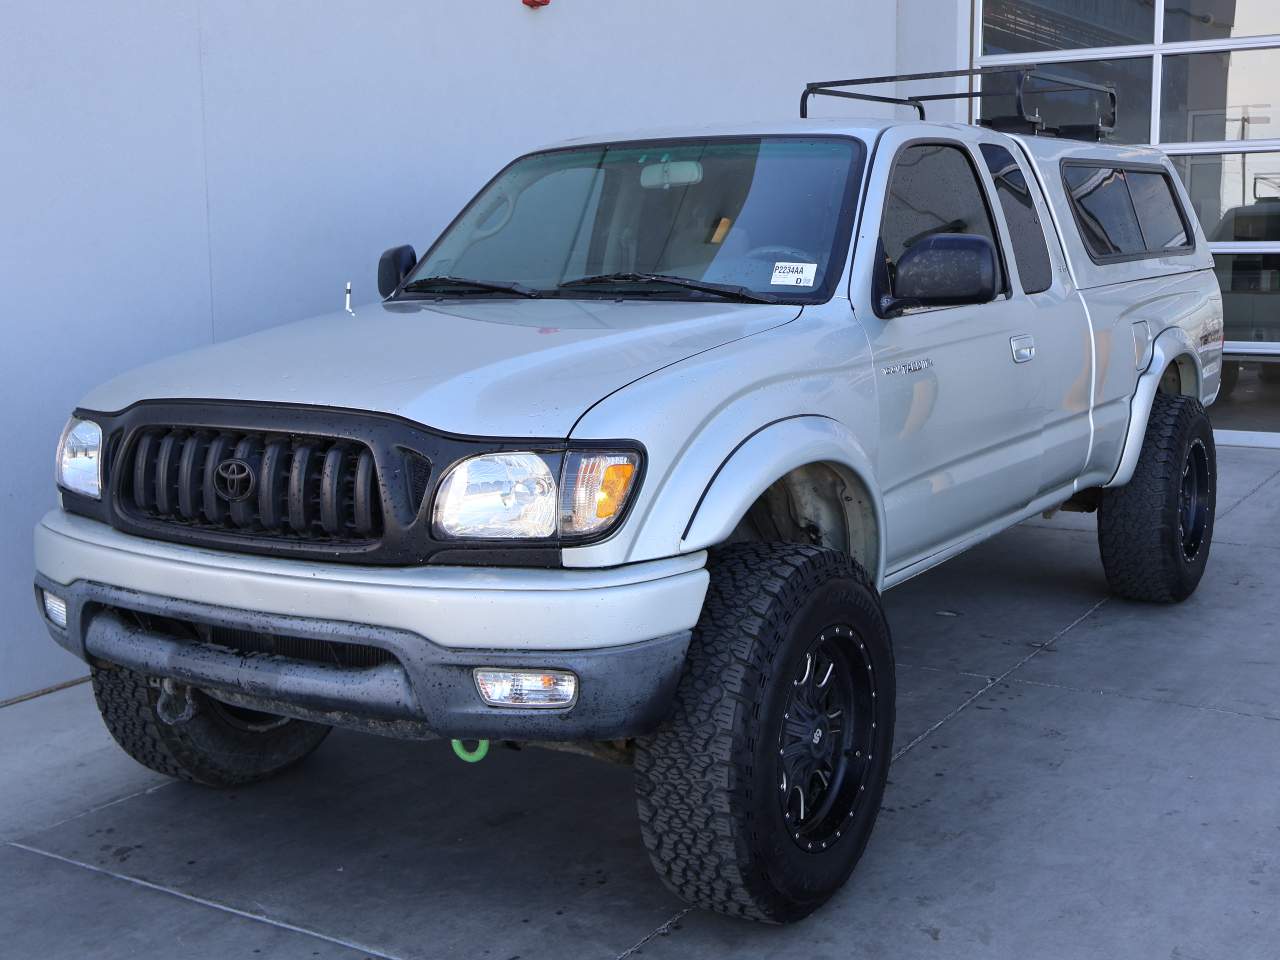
[[794, 274]]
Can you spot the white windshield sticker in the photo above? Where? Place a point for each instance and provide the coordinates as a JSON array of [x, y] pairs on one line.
[[794, 274]]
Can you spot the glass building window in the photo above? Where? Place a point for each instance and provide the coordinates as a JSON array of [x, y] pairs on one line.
[[1224, 98], [1236, 196], [1250, 295], [1220, 96], [1131, 79], [1029, 26], [1219, 19]]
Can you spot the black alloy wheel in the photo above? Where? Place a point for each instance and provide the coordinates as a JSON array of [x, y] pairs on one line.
[[825, 746], [1193, 505]]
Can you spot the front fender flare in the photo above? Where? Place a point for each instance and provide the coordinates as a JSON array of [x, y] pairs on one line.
[[770, 453]]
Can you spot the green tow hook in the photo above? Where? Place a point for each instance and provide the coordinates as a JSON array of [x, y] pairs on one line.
[[471, 756]]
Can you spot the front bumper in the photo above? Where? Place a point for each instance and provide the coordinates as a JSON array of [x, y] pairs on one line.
[[623, 631]]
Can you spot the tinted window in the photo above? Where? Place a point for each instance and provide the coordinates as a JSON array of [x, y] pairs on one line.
[[1025, 231], [1104, 211], [1125, 212], [1162, 225], [934, 189]]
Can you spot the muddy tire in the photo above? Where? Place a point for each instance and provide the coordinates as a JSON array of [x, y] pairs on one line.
[[1155, 532], [219, 746], [758, 794]]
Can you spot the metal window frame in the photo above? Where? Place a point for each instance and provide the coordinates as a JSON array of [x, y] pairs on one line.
[[1157, 50]]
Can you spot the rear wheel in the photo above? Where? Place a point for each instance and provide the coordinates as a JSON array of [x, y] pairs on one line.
[[208, 742], [1155, 532], [759, 793]]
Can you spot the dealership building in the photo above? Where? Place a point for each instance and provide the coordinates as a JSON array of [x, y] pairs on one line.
[[190, 172]]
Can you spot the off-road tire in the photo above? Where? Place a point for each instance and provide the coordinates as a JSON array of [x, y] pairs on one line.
[[1142, 530], [707, 784], [217, 746]]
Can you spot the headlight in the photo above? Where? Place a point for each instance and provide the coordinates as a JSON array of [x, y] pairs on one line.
[[532, 496], [79, 466], [498, 496]]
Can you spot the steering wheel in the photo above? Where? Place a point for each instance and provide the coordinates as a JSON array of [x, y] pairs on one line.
[[781, 253], [494, 217]]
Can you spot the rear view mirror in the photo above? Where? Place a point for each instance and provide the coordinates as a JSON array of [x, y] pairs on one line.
[[673, 173], [943, 270], [393, 266]]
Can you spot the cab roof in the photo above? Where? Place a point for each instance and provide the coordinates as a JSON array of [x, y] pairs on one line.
[[864, 128], [1042, 148]]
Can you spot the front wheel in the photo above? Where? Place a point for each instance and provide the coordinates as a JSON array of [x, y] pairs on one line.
[[759, 793], [1155, 532]]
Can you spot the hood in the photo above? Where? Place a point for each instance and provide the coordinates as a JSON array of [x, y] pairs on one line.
[[512, 368]]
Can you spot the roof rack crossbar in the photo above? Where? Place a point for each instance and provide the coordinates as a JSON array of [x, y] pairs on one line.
[[1105, 123], [914, 102]]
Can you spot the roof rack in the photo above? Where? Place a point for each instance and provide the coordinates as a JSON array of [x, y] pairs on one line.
[[1020, 121]]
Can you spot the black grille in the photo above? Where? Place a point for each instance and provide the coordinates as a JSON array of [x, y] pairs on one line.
[[303, 487], [355, 655], [342, 486]]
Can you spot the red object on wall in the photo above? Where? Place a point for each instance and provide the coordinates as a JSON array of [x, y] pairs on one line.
[[535, 4]]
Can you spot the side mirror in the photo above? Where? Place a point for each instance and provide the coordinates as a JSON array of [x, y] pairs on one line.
[[392, 268], [943, 270]]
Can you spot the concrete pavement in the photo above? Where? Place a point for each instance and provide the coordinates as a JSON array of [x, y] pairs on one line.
[[1076, 776]]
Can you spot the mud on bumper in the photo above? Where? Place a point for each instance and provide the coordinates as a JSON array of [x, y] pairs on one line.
[[420, 689], [158, 609]]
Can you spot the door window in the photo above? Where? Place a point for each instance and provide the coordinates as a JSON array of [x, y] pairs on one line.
[[934, 189], [1025, 231]]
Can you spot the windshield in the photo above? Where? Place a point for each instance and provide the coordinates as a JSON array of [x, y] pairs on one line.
[[762, 218]]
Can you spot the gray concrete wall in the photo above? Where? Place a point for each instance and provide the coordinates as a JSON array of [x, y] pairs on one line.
[[178, 172]]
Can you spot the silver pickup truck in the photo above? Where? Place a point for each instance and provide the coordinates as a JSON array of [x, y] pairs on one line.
[[625, 462]]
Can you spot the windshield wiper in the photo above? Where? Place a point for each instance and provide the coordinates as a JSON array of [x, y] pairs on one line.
[[430, 284], [727, 290]]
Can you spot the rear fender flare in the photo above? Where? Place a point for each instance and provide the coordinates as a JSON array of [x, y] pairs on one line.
[[1172, 346]]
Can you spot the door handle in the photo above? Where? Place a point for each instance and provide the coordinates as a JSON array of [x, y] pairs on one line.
[[1024, 348]]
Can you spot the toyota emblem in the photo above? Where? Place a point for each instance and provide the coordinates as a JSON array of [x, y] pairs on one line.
[[233, 480]]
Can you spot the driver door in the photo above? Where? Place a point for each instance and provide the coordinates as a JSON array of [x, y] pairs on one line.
[[960, 437]]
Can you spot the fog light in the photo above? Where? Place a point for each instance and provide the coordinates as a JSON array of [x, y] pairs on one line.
[[55, 608], [527, 688]]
